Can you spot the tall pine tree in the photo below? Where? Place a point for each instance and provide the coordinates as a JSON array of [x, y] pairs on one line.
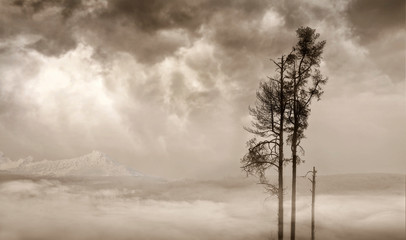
[[307, 82]]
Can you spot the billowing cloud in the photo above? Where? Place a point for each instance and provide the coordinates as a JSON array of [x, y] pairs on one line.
[[164, 85]]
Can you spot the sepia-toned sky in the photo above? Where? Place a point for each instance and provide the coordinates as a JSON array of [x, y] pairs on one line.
[[164, 86]]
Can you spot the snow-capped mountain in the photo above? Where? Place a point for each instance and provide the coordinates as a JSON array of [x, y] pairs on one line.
[[93, 164]]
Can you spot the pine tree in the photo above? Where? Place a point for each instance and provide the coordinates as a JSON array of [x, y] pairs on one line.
[[307, 82]]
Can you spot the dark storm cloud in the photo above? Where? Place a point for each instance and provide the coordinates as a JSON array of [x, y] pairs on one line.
[[374, 19], [149, 19], [54, 35], [380, 26], [34, 6], [154, 15], [123, 25], [136, 26], [160, 14]]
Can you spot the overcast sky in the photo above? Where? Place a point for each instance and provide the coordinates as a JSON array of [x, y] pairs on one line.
[[164, 86]]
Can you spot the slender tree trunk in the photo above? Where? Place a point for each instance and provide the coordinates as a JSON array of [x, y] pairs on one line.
[[313, 200], [280, 198], [294, 151], [294, 162], [280, 169], [293, 215]]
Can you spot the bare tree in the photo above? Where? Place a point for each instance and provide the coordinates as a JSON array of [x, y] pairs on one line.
[[305, 66], [269, 117]]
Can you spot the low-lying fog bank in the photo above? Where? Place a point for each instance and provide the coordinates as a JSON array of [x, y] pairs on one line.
[[347, 207]]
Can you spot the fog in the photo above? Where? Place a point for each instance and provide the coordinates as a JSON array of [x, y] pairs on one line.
[[347, 207]]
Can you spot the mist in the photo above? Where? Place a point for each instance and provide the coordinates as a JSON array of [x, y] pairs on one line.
[[229, 208]]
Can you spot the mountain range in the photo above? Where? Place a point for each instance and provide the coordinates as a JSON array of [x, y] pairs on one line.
[[93, 164]]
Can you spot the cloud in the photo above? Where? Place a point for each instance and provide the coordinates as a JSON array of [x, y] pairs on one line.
[[34, 6], [149, 29], [44, 20], [375, 19], [168, 83], [380, 27]]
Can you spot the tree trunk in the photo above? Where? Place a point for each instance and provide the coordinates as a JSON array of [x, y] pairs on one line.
[[280, 198], [313, 200], [294, 163], [294, 155], [280, 168], [280, 189]]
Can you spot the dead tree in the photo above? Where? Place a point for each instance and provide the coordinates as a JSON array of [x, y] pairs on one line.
[[313, 200], [269, 118], [313, 191]]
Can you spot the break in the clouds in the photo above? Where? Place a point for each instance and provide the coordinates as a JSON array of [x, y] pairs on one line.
[[164, 85]]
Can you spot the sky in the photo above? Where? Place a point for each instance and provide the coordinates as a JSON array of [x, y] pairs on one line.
[[164, 86]]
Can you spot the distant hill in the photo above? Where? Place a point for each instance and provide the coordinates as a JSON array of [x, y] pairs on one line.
[[345, 184], [367, 182], [93, 164]]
